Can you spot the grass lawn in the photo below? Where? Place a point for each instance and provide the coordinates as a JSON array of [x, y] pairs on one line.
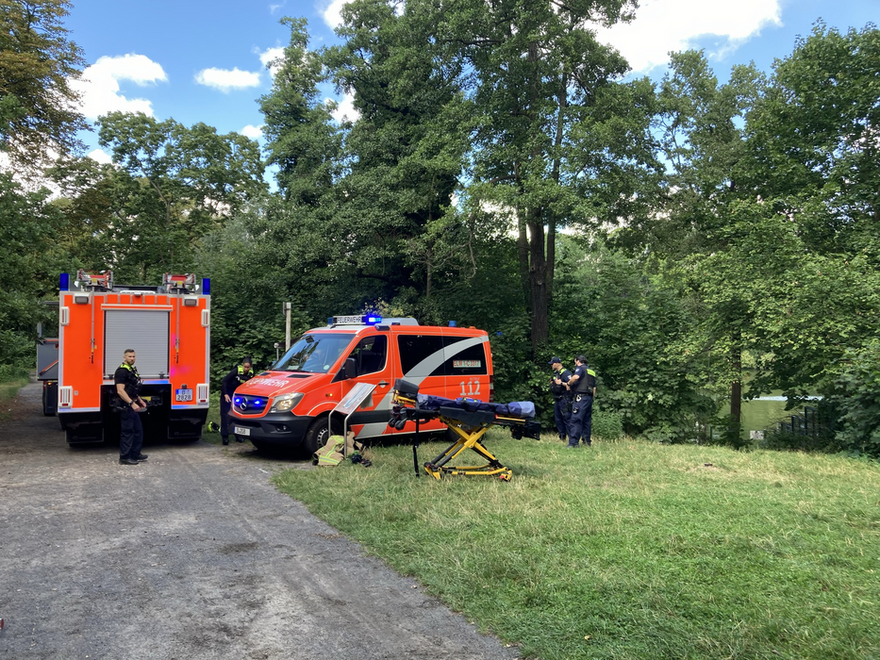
[[629, 549], [8, 390]]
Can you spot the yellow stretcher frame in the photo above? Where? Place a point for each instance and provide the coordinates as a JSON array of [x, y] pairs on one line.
[[469, 431], [467, 439]]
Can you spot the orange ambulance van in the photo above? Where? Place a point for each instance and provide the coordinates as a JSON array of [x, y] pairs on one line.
[[288, 405]]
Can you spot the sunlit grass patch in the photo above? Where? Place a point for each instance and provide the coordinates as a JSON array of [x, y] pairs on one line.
[[648, 550]]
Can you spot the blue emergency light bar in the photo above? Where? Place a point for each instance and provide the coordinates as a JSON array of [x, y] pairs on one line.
[[64, 282], [368, 319]]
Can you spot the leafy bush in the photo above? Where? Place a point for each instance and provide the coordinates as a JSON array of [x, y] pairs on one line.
[[607, 424], [13, 373], [853, 399], [18, 354], [781, 440]]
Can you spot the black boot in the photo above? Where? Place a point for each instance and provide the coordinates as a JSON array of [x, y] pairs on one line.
[[225, 440]]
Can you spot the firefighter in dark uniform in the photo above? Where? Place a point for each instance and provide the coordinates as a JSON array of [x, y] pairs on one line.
[[561, 397], [241, 374], [128, 388], [582, 387]]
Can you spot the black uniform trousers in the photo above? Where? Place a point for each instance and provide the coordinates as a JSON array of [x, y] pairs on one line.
[[581, 424], [132, 437]]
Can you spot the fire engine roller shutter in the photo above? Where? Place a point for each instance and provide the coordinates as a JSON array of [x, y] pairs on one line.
[[146, 331]]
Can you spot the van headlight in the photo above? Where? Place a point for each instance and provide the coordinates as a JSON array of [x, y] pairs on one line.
[[286, 402]]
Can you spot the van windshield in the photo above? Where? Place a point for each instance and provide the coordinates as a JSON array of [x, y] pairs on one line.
[[315, 353]]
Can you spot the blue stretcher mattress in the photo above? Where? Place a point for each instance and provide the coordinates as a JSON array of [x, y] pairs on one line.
[[519, 409]]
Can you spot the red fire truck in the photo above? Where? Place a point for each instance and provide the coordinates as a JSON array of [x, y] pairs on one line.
[[169, 328]]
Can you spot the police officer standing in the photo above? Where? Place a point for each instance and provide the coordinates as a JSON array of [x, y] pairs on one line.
[[561, 397], [241, 374], [128, 387], [582, 387]]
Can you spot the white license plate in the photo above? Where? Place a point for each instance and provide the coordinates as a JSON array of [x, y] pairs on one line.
[[183, 395], [240, 431]]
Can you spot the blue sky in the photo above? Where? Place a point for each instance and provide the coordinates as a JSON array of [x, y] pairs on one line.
[[206, 60]]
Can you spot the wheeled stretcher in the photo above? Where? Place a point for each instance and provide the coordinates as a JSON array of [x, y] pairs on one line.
[[469, 420]]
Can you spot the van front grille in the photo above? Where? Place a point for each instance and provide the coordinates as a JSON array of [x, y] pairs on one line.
[[248, 404]]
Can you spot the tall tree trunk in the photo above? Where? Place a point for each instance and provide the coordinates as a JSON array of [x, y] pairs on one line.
[[538, 282], [551, 215], [736, 385], [522, 240], [551, 254], [429, 267], [522, 246]]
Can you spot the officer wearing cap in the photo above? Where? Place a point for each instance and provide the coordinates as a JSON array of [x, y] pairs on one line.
[[561, 397], [582, 387]]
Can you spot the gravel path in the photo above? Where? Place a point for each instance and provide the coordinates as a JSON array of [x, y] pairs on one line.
[[191, 555]]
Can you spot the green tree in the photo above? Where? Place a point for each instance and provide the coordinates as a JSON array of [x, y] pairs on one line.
[[814, 138], [706, 230], [367, 204], [533, 70], [854, 397], [406, 149], [630, 325], [302, 141], [169, 186], [88, 204], [37, 63], [29, 267]]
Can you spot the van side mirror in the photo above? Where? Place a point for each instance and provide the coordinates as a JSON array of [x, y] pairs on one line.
[[350, 368]]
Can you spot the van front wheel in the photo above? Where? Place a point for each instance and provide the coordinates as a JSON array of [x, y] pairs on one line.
[[316, 436]]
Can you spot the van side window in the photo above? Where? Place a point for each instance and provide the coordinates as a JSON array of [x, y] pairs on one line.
[[420, 355], [370, 353], [425, 355], [467, 362]]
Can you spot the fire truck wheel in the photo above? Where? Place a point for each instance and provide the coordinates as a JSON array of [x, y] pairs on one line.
[[316, 436]]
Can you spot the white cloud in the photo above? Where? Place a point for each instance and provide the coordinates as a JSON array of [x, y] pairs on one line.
[[100, 156], [333, 13], [251, 131], [99, 84], [345, 109], [226, 80], [662, 26], [272, 58]]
